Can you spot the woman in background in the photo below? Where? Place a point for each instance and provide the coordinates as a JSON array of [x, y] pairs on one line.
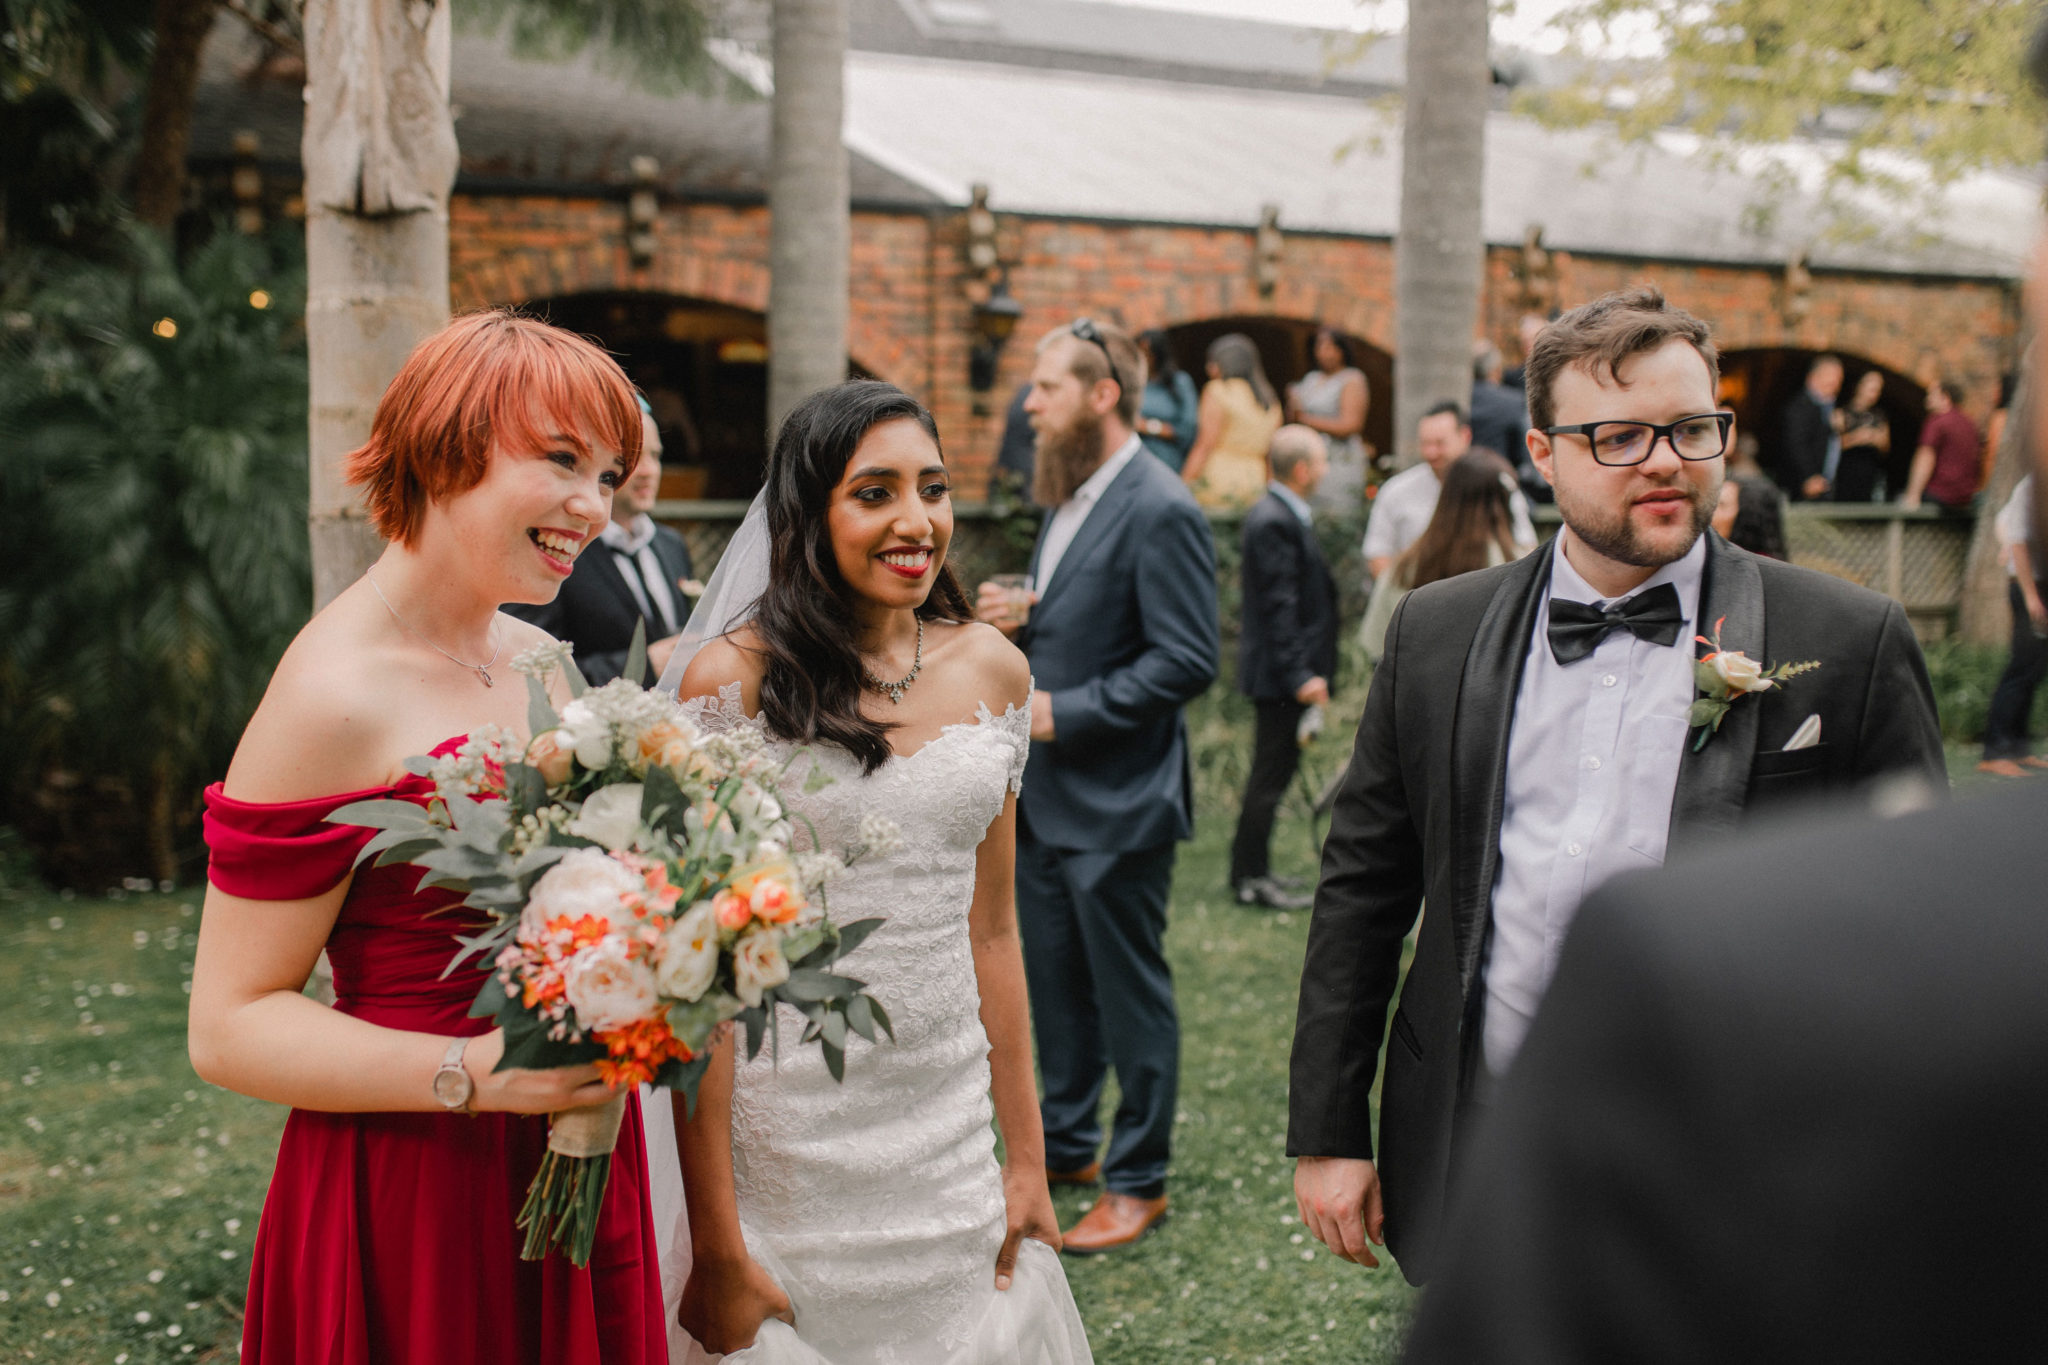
[[1866, 443], [1166, 418], [1751, 515], [1333, 399], [1473, 527], [1238, 415]]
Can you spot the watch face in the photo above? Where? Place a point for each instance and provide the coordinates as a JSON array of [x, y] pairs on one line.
[[452, 1087]]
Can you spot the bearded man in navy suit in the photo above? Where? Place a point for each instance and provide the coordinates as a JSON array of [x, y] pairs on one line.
[[1121, 635]]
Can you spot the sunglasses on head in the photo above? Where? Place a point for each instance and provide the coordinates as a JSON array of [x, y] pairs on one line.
[[1086, 330]]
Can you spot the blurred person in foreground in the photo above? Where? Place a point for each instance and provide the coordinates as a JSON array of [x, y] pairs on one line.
[[2008, 750], [1946, 462], [1406, 502], [639, 578], [1751, 515], [1531, 734], [1793, 1112], [1473, 528], [1287, 653], [1121, 635], [1236, 419]]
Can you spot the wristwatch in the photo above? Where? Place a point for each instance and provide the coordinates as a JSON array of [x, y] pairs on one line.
[[452, 1085]]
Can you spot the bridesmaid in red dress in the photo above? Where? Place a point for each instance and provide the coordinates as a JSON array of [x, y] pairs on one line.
[[387, 1237]]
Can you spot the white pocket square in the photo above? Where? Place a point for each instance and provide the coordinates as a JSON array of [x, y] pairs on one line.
[[1806, 736]]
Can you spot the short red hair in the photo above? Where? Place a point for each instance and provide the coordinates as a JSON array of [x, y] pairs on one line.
[[485, 378]]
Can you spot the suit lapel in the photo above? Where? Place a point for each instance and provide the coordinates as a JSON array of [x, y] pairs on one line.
[[1479, 747], [1103, 518], [1713, 782], [613, 574]]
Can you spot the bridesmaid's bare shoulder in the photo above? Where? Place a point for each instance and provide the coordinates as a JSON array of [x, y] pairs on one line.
[[324, 725]]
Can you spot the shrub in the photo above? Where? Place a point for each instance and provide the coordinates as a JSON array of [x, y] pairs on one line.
[[153, 484]]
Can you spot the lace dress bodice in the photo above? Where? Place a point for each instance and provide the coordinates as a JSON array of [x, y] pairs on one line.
[[877, 1203]]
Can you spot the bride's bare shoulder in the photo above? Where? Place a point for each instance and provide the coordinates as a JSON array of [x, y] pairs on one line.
[[732, 658], [1002, 674]]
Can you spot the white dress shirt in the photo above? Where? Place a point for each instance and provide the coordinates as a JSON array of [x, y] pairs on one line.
[[1068, 516], [1593, 759], [635, 541], [1405, 503]]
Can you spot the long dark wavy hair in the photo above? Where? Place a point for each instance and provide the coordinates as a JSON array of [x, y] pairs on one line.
[[1473, 518], [811, 687]]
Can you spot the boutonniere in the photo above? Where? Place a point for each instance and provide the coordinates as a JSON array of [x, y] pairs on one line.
[[1725, 676]]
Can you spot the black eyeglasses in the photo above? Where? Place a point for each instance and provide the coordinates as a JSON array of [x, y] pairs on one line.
[[1703, 436], [1086, 330]]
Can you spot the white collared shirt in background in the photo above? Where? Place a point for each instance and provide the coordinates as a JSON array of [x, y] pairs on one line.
[[1292, 500], [2015, 524], [1405, 503], [1069, 515], [635, 541], [1593, 761]]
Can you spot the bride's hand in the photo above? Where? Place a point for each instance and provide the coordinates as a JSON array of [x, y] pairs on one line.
[[1027, 1204], [725, 1303]]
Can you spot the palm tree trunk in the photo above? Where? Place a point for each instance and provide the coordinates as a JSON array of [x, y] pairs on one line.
[[1439, 252], [379, 155], [810, 227], [180, 30]]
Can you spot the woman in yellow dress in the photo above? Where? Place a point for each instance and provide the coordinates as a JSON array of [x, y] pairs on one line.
[[1238, 415]]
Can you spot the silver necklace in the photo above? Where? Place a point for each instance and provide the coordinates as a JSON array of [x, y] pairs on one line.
[[897, 689], [481, 670]]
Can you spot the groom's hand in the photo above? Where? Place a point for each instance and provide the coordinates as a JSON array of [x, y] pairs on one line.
[[1339, 1201]]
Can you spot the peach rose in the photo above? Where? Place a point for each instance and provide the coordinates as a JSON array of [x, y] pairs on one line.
[[548, 755]]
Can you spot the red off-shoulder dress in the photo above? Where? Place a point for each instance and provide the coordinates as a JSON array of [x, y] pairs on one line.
[[388, 1239]]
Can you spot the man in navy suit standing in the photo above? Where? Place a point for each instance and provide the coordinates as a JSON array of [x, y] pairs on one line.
[[1287, 652], [1121, 634]]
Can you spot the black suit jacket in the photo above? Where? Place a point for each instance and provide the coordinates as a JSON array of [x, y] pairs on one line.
[[1123, 637], [595, 611], [1289, 631], [1804, 452], [1788, 1103], [1419, 811]]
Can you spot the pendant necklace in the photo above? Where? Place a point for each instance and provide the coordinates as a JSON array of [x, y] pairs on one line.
[[895, 690], [482, 670]]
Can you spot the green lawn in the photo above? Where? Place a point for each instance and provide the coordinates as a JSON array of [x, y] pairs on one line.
[[129, 1188]]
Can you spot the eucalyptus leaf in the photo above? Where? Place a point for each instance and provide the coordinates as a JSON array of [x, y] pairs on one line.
[[526, 791], [383, 813], [881, 1016], [810, 985], [420, 765], [573, 675], [860, 1016], [835, 1060], [852, 935], [833, 1027], [636, 653], [540, 708]]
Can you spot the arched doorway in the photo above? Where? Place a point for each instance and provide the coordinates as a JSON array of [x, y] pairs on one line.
[[1759, 384], [1284, 345], [704, 369]]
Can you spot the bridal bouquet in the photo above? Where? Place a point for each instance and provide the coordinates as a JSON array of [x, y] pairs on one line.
[[638, 892]]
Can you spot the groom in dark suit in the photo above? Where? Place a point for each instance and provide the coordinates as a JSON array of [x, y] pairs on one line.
[[1530, 734], [1121, 635]]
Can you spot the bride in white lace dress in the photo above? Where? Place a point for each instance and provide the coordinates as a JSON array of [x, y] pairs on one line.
[[873, 1214]]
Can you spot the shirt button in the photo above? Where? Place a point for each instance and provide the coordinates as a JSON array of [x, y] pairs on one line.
[[1593, 762], [1609, 681], [1575, 848]]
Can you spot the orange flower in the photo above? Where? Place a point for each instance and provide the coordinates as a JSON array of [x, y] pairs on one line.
[[665, 745], [638, 1051], [733, 910], [770, 892]]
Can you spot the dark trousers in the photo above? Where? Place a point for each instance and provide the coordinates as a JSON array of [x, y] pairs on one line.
[[1276, 753], [1094, 925], [2005, 731]]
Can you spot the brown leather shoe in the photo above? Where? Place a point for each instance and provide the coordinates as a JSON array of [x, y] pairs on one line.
[[1115, 1220], [1090, 1174]]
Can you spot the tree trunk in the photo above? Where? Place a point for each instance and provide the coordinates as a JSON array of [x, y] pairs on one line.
[[810, 226], [1439, 253], [180, 32], [1986, 616], [379, 156]]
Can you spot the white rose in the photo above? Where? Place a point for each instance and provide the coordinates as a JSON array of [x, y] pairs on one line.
[[585, 882], [688, 961], [757, 964], [751, 805], [610, 816], [608, 989], [1740, 672], [587, 733]]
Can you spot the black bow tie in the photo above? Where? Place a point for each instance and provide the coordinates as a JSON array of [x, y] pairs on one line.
[[1577, 628]]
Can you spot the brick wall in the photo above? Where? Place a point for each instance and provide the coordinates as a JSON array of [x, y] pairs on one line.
[[911, 322]]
